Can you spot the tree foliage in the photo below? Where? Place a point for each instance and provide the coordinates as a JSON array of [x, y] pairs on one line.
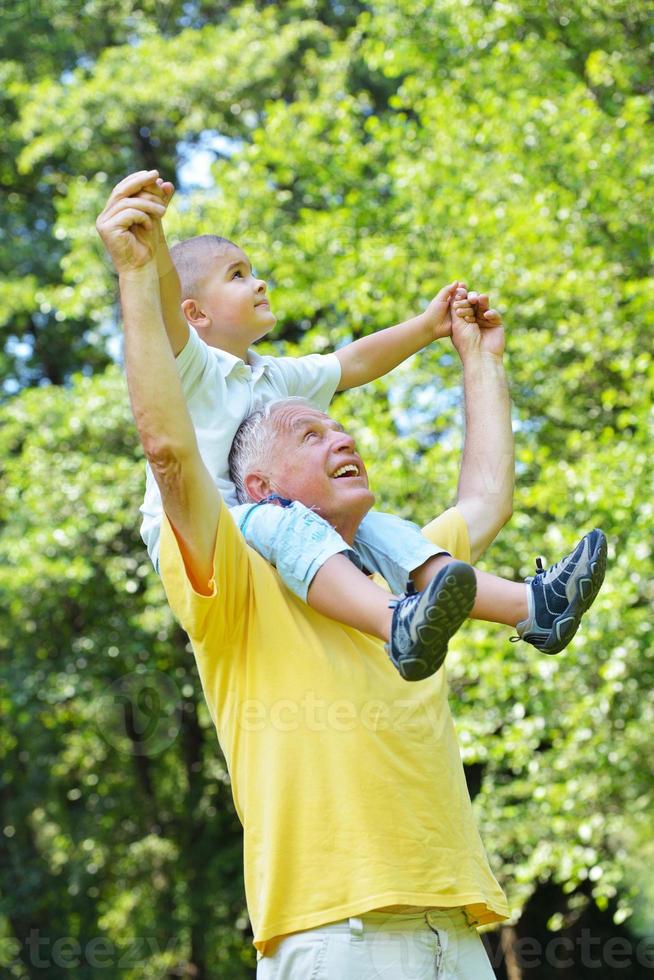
[[363, 155]]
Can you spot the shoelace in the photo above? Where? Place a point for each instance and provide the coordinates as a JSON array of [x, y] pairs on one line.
[[540, 570], [410, 590]]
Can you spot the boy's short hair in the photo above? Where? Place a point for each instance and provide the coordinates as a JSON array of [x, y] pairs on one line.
[[191, 259]]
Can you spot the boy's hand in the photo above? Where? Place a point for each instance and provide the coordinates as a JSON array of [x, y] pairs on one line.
[[437, 316], [161, 192], [474, 326], [127, 223]]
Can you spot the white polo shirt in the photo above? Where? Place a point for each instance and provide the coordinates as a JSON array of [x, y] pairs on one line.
[[221, 390]]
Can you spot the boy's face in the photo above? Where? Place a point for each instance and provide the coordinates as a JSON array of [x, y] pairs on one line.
[[234, 301]]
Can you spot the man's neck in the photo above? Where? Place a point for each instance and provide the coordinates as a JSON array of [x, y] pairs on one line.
[[348, 526]]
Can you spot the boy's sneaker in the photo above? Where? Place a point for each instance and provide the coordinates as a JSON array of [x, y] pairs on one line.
[[423, 622], [559, 596]]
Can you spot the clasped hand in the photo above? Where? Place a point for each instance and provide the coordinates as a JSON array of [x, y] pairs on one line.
[[475, 327], [129, 225]]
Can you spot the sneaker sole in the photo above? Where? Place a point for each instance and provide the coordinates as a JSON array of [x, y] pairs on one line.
[[452, 603], [566, 625]]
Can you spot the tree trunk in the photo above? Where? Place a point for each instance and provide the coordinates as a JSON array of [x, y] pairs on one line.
[[507, 943]]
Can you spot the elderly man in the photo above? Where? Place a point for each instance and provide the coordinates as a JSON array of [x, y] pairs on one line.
[[362, 858]]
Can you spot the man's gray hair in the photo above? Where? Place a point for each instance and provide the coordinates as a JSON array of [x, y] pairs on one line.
[[252, 444]]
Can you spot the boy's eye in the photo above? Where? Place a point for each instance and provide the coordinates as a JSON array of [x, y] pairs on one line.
[[237, 272]]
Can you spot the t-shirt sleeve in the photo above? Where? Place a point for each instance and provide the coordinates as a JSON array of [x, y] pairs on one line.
[[192, 363], [314, 376], [230, 588], [450, 531]]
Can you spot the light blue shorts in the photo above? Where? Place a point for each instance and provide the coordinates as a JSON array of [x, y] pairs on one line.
[[297, 541], [437, 944]]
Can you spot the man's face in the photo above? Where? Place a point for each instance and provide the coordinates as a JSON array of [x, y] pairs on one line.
[[234, 299], [313, 460]]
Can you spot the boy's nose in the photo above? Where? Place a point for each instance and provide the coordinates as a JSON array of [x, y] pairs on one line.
[[261, 286]]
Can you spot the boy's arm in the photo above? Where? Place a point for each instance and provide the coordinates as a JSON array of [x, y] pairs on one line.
[[485, 492], [372, 357], [177, 328]]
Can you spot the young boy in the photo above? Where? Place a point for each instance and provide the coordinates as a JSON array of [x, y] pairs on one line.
[[208, 283]]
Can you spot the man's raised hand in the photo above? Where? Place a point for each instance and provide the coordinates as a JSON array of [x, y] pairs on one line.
[[128, 223], [475, 327]]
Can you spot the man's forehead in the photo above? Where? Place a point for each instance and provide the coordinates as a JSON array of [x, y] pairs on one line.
[[310, 419], [296, 417]]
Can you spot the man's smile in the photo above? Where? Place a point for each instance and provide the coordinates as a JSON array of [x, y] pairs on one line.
[[349, 469]]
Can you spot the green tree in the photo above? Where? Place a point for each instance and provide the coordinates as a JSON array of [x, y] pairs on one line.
[[117, 813], [367, 157]]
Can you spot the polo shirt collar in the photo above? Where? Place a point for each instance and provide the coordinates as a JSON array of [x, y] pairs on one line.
[[229, 363], [258, 364]]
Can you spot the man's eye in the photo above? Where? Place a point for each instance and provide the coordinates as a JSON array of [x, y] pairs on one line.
[[309, 433]]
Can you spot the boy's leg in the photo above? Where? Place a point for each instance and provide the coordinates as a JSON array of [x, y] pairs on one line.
[[546, 611], [416, 627], [498, 600], [399, 551], [396, 549], [339, 586], [314, 562]]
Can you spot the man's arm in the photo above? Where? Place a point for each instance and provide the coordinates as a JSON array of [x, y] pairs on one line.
[[372, 357], [190, 499], [485, 492]]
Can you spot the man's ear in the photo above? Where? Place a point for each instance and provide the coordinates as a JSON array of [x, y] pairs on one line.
[[257, 486], [195, 315]]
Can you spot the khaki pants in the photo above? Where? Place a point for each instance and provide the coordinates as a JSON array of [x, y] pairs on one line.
[[435, 945]]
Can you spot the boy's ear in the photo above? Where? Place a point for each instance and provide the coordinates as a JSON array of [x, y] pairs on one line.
[[257, 486], [195, 315]]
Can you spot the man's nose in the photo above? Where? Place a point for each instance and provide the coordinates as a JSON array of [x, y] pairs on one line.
[[343, 442]]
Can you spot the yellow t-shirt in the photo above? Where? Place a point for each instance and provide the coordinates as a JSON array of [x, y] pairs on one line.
[[347, 779]]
